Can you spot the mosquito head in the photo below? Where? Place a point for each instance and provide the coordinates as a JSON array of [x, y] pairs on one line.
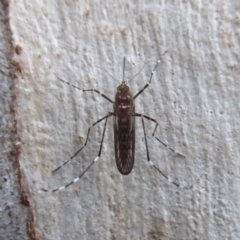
[[123, 87]]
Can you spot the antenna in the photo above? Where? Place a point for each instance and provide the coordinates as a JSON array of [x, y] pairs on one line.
[[124, 59]]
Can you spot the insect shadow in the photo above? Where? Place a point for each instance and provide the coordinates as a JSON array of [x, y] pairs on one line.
[[124, 129]]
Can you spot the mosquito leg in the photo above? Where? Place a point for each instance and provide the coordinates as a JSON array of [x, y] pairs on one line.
[[149, 82], [148, 157], [95, 160], [148, 118], [69, 83], [165, 145], [85, 144], [156, 125], [86, 90], [95, 90]]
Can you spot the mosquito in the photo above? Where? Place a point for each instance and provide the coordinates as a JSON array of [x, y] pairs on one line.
[[124, 129]]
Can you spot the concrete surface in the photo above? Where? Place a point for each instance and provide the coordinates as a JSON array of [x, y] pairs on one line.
[[194, 95]]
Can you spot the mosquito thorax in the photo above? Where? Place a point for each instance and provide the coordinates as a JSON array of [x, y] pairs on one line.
[[123, 101]]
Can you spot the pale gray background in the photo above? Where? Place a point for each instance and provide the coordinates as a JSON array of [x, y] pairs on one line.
[[194, 96]]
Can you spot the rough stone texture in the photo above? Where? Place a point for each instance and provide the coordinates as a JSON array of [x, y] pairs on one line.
[[14, 206], [194, 95]]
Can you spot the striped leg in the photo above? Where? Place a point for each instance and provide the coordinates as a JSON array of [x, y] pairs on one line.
[[149, 82], [156, 125], [165, 145], [148, 157], [95, 160], [148, 118], [87, 90], [85, 144]]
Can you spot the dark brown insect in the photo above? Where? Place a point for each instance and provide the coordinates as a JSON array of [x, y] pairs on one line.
[[124, 129]]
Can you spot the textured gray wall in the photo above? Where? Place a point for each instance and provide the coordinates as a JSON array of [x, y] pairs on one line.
[[14, 208], [194, 96]]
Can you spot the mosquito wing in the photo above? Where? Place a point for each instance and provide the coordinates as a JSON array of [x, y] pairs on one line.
[[124, 141]]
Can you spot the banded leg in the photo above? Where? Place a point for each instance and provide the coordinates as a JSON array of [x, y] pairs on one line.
[[96, 91], [156, 125], [165, 145], [149, 82], [86, 90], [148, 157], [148, 118], [95, 160], [85, 144]]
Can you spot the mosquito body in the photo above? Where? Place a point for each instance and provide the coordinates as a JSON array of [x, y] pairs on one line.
[[124, 130]]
